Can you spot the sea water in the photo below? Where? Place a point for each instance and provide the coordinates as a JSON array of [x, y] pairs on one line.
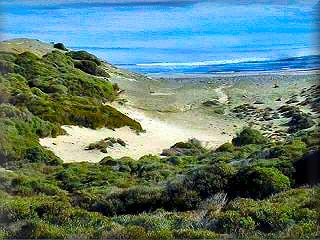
[[177, 36]]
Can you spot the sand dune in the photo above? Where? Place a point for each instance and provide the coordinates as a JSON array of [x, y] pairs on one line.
[[159, 135]]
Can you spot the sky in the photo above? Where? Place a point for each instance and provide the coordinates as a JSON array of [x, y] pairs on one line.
[[148, 31]]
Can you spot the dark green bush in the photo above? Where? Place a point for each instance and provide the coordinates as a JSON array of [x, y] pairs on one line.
[[258, 182], [191, 148], [86, 66], [211, 179], [226, 147], [179, 197], [60, 46], [83, 55], [19, 131], [300, 121], [291, 150], [195, 234], [308, 169], [6, 67], [249, 136], [131, 201]]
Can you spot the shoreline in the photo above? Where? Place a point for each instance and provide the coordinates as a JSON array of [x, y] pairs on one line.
[[290, 72]]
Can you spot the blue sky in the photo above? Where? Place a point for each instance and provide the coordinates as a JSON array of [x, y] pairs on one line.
[[143, 31]]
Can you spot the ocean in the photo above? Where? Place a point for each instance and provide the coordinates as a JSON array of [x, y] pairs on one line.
[[175, 36], [305, 63]]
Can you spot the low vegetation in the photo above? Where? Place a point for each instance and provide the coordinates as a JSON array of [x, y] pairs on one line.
[[106, 143], [256, 190]]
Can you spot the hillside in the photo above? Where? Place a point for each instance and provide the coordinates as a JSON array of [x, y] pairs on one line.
[[251, 187], [39, 94]]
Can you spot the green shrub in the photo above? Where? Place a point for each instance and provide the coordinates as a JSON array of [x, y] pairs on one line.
[[60, 46], [4, 95], [7, 67], [208, 180], [8, 56], [274, 216], [87, 66], [19, 141], [233, 222], [307, 169], [37, 229], [226, 147], [83, 55], [258, 182], [292, 150], [133, 200], [155, 221], [179, 197], [308, 230], [195, 234], [163, 234], [249, 136], [300, 121]]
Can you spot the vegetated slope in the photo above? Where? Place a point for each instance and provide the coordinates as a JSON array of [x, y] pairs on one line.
[[21, 45], [38, 94], [251, 187]]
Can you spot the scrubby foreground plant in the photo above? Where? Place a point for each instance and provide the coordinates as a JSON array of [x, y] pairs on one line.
[[234, 191]]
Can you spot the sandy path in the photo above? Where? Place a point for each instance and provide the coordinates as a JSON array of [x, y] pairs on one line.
[[223, 98], [159, 135]]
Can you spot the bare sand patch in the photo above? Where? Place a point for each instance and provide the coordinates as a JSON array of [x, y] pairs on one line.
[[159, 135]]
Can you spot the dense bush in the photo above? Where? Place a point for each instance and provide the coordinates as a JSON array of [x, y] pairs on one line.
[[308, 169], [208, 180], [19, 131], [249, 136], [300, 121], [83, 55], [192, 147], [284, 215], [258, 182], [131, 201], [226, 147], [60, 46], [87, 66]]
